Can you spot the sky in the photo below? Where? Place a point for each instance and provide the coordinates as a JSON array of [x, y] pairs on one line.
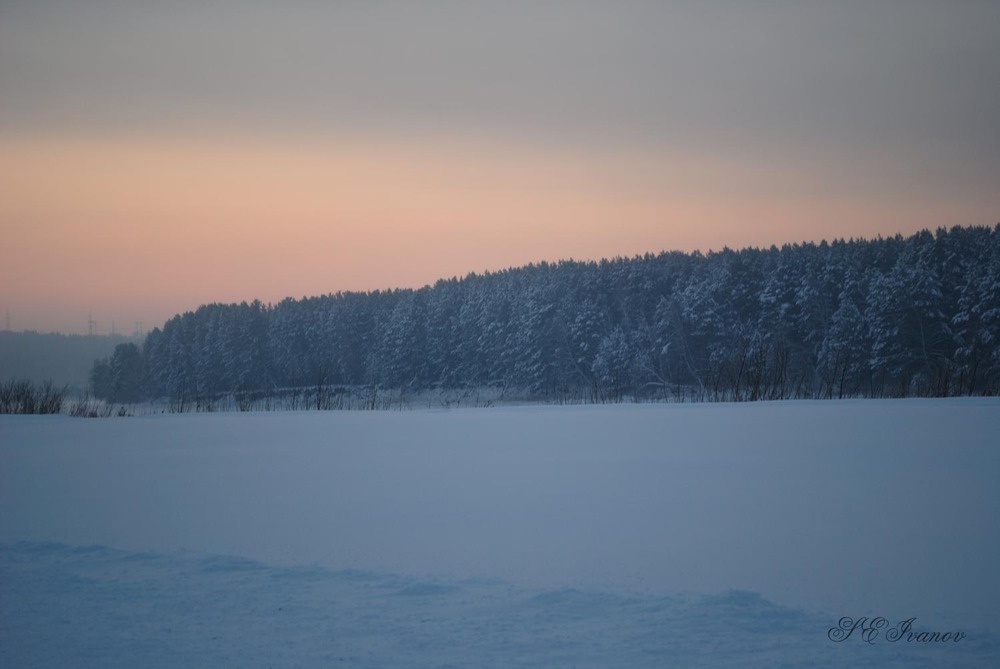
[[159, 156]]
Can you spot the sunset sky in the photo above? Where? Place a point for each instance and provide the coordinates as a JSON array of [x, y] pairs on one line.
[[155, 156]]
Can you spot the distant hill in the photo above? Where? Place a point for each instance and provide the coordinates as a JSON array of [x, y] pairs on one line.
[[63, 359]]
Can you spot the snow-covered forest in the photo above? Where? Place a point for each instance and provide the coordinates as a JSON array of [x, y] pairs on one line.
[[915, 316]]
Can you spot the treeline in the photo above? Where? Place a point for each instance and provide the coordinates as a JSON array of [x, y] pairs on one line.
[[916, 316]]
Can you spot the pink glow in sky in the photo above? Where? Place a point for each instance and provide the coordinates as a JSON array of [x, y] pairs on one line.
[[154, 158], [139, 230]]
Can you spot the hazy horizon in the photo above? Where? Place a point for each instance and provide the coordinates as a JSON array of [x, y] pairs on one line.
[[154, 157]]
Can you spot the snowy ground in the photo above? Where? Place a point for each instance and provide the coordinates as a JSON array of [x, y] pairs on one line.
[[650, 535]]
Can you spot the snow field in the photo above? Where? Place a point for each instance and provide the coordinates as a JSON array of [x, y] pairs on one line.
[[634, 535]]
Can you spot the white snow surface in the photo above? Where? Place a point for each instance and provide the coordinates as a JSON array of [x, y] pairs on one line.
[[627, 535]]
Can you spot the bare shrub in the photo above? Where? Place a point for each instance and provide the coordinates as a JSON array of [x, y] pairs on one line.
[[20, 396]]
